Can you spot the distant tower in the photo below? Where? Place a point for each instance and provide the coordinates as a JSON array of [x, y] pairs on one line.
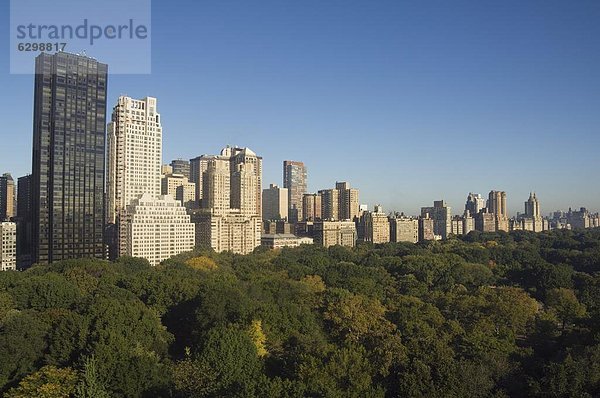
[[475, 203], [532, 206], [294, 179]]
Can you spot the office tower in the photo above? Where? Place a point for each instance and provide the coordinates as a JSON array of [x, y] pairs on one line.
[[375, 226], [497, 205], [426, 228], [181, 166], [275, 203], [8, 246], [330, 204], [134, 153], [230, 218], [311, 206], [330, 233], [157, 228], [178, 187], [7, 197], [404, 229], [442, 218], [69, 131], [294, 179], [475, 203], [23, 221]]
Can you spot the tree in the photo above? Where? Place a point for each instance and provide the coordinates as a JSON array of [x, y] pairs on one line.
[[48, 382], [565, 304], [90, 384]]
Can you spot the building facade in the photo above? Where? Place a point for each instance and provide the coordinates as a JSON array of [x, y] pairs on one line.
[[442, 218], [180, 166], [330, 233], [404, 229], [275, 203], [157, 228], [8, 246], [68, 167], [375, 226], [311, 207]]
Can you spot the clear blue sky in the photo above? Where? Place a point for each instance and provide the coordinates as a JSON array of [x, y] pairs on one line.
[[408, 101]]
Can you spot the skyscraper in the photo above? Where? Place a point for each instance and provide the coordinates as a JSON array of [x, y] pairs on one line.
[[7, 197], [294, 179], [311, 207], [69, 131], [532, 207], [497, 205], [134, 153]]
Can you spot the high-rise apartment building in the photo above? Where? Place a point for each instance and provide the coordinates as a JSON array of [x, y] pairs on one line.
[[7, 197], [341, 203], [349, 206], [375, 226], [69, 131], [275, 203], [178, 186], [157, 228], [330, 204], [404, 229], [475, 203], [294, 179], [311, 206], [532, 207], [442, 218], [330, 233], [426, 228], [198, 166], [230, 218], [181, 166], [485, 221], [496, 204], [134, 153], [8, 246]]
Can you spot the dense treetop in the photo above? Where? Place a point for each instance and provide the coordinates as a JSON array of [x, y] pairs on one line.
[[500, 315]]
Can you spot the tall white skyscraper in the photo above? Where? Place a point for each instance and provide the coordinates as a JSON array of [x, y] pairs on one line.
[[149, 225], [134, 153]]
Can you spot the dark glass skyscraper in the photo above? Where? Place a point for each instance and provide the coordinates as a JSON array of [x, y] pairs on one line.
[[69, 131], [294, 179]]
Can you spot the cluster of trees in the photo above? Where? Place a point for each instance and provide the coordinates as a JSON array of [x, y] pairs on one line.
[[487, 315]]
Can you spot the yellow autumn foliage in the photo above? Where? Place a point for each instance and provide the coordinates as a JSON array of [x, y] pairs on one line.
[[258, 337]]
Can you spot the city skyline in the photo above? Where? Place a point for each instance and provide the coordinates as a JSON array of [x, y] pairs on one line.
[[445, 117]]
